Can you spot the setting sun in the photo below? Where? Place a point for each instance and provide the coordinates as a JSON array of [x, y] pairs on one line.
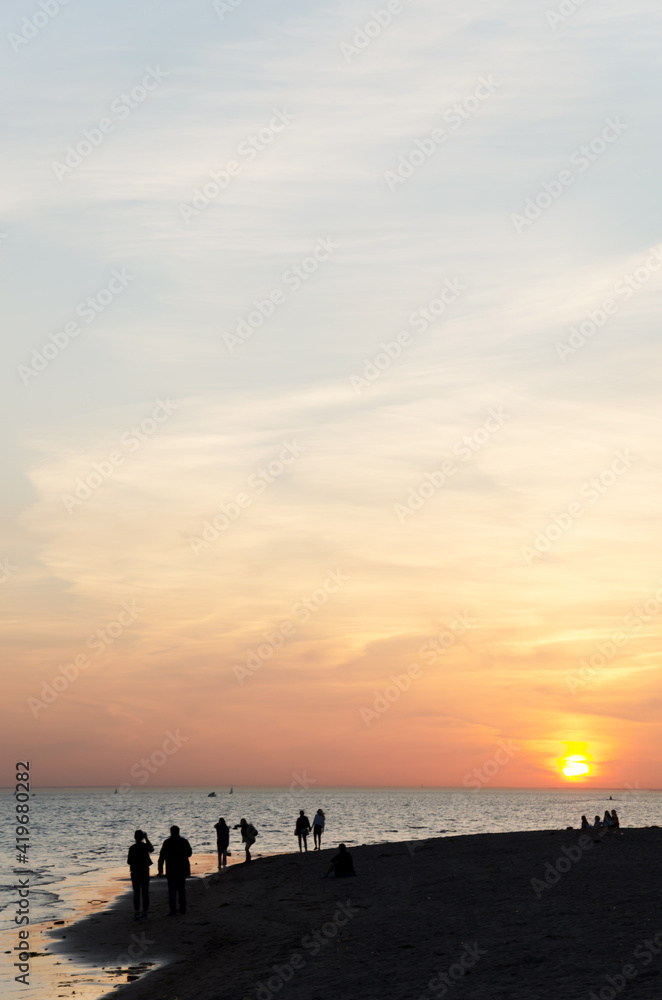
[[575, 766], [576, 763]]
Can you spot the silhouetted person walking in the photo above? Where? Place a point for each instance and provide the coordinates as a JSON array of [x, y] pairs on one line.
[[302, 829], [222, 841], [318, 828], [175, 853], [248, 835], [138, 860]]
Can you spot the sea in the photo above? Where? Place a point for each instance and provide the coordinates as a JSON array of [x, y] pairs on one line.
[[79, 837]]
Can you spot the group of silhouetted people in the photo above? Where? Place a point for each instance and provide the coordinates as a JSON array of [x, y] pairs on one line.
[[176, 851], [610, 821], [302, 829], [174, 856]]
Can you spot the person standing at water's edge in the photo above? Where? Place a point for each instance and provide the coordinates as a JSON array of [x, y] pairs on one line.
[[222, 841], [138, 860], [248, 835], [175, 854], [302, 829], [318, 828]]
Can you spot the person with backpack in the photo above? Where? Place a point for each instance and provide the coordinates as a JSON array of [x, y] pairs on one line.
[[248, 836]]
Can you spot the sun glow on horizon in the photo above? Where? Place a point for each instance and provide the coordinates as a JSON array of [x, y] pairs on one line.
[[576, 763], [576, 766]]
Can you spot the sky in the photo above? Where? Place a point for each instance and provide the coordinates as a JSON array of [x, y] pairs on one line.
[[332, 438]]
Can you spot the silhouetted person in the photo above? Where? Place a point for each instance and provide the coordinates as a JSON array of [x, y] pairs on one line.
[[596, 823], [585, 824], [175, 853], [615, 820], [318, 828], [302, 829], [222, 841], [248, 835], [606, 820], [342, 865], [138, 860]]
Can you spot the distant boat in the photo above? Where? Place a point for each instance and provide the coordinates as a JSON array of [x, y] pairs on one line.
[[212, 795], [231, 790], [115, 792]]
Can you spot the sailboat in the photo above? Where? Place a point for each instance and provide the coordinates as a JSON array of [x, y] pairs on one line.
[[231, 790]]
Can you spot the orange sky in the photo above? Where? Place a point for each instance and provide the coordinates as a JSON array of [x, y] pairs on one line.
[[272, 649], [437, 422]]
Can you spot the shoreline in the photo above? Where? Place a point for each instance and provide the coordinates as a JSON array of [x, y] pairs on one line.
[[514, 915], [85, 970]]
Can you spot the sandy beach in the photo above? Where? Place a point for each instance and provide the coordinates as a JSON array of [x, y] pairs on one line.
[[519, 915]]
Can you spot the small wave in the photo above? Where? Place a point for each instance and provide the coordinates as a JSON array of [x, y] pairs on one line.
[[47, 898], [37, 895]]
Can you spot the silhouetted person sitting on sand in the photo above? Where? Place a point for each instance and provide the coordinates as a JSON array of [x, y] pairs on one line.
[[615, 820], [596, 823], [318, 828], [302, 829], [175, 854], [585, 824], [342, 865], [222, 841], [138, 860], [248, 835], [606, 820]]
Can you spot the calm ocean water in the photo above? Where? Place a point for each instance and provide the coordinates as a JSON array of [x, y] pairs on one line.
[[79, 836]]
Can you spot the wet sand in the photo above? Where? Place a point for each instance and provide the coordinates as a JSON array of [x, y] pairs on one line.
[[519, 915], [67, 965]]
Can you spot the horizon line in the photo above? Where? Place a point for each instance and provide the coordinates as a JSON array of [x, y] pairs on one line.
[[460, 788]]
